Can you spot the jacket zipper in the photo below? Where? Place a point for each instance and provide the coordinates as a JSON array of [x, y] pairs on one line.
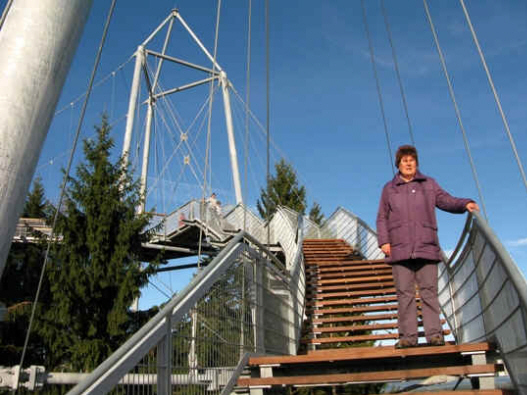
[[412, 223]]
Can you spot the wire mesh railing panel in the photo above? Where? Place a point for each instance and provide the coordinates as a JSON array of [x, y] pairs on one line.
[[286, 235], [253, 225], [486, 298], [245, 300], [310, 229], [345, 225], [210, 339], [192, 211]]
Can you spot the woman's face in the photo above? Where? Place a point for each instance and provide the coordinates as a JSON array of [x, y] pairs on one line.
[[408, 166]]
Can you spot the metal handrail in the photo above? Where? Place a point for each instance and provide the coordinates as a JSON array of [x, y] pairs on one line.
[[109, 373], [106, 375], [484, 297]]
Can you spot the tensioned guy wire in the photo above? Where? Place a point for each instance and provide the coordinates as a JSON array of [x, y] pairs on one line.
[[495, 93], [66, 176], [456, 108], [396, 65], [207, 149], [267, 115], [247, 115], [377, 82]]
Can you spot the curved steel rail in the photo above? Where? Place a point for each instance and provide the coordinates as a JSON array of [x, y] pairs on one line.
[[483, 295]]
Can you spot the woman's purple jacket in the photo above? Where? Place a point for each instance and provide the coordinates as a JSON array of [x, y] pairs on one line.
[[406, 218]]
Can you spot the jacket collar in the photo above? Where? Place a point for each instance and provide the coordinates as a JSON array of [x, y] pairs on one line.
[[419, 177]]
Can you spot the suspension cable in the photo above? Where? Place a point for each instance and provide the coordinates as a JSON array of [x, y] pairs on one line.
[[377, 82], [396, 65], [207, 149], [456, 108], [267, 117], [247, 115], [6, 11], [64, 183], [495, 93]]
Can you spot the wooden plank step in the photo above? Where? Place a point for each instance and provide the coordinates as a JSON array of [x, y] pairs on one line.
[[355, 328], [362, 338], [354, 318], [328, 252], [326, 249], [410, 374], [332, 270], [359, 353], [361, 309], [357, 318], [324, 240], [354, 280], [462, 392], [313, 242], [351, 273], [358, 263], [351, 287], [351, 294], [346, 262], [350, 302]]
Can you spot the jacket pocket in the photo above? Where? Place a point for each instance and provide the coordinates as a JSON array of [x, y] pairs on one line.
[[428, 234], [396, 234]]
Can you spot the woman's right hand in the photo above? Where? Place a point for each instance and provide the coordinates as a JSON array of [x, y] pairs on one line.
[[386, 249]]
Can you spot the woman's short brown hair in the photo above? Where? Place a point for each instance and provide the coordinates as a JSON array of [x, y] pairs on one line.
[[405, 150]]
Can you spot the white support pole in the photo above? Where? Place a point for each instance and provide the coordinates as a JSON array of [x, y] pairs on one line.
[[146, 151], [37, 41], [139, 61], [230, 133], [197, 41]]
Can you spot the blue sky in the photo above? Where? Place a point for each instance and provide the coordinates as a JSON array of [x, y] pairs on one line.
[[325, 115]]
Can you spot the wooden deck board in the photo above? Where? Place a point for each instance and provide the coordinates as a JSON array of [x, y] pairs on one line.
[[382, 376]]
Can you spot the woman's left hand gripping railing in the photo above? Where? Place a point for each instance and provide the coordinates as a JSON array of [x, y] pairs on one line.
[[196, 341]]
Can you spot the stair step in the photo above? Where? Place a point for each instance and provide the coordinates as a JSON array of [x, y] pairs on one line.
[[351, 264], [360, 338], [360, 353], [348, 274], [371, 285], [354, 328], [357, 328], [351, 302], [363, 309], [358, 318], [371, 377], [351, 294], [462, 392], [339, 263], [369, 276]]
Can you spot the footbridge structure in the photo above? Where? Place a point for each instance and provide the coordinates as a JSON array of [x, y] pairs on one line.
[[283, 304], [322, 312]]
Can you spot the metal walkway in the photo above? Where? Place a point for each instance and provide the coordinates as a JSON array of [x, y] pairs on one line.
[[247, 303], [351, 310]]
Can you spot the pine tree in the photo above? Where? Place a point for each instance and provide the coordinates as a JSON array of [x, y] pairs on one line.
[[36, 204], [19, 284], [315, 214], [95, 272], [283, 191]]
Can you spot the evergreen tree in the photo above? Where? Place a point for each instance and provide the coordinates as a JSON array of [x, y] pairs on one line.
[[283, 191], [19, 284], [315, 214], [95, 272], [36, 205]]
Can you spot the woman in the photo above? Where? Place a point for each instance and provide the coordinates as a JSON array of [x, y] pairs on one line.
[[407, 234]]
